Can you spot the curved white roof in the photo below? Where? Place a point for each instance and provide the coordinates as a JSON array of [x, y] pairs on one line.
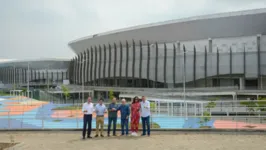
[[242, 23], [37, 63], [32, 60]]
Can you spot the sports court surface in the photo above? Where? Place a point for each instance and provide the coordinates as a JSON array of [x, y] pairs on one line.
[[21, 112]]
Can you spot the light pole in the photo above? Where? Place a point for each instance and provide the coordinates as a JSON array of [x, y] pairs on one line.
[[14, 83], [28, 80], [48, 78], [184, 80], [82, 76]]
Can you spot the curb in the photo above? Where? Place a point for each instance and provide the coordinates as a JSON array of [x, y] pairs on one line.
[[157, 130]]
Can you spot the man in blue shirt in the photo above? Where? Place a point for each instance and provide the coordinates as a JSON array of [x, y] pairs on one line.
[[100, 110], [112, 116], [125, 112]]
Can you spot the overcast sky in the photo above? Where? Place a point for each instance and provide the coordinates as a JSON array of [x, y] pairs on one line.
[[33, 29]]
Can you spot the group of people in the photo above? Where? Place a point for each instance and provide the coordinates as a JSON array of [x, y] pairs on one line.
[[138, 108]]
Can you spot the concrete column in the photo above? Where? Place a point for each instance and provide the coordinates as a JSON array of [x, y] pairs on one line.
[[159, 107], [156, 108], [195, 109], [172, 108], [178, 46], [186, 111], [168, 108], [79, 98], [210, 45], [202, 109], [92, 94], [181, 109], [241, 83]]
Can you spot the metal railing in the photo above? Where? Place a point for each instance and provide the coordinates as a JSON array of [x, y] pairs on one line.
[[205, 89], [164, 115]]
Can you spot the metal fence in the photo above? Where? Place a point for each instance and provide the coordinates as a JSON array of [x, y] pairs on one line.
[[27, 113]]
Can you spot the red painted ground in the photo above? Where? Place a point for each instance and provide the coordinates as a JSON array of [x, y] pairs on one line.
[[72, 114], [18, 108], [222, 124]]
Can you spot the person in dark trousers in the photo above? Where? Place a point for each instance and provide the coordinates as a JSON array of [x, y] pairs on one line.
[[87, 110], [145, 116], [125, 112], [112, 116]]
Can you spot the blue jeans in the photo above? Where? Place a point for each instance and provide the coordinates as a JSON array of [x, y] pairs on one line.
[[110, 120], [145, 123], [124, 123]]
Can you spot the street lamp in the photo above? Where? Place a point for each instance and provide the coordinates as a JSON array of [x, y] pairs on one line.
[[184, 80], [47, 70], [28, 80], [82, 76], [14, 83]]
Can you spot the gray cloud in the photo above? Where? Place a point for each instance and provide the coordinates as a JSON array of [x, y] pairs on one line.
[[41, 29]]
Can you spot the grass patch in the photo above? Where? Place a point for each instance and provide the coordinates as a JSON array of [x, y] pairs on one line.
[[153, 126], [245, 103], [205, 127], [3, 93], [67, 108], [57, 120]]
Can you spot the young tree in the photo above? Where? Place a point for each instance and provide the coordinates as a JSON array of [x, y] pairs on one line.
[[111, 95], [65, 92], [207, 114]]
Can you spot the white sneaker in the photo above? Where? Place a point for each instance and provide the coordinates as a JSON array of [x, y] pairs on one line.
[[135, 133]]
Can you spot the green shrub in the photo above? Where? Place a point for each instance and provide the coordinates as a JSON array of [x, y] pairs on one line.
[[57, 120], [67, 108], [251, 105], [3, 93], [152, 106], [261, 103]]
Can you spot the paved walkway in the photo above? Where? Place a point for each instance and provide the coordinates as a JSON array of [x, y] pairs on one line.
[[158, 141]]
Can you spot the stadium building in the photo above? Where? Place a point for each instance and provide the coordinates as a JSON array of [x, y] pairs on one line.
[[208, 51], [38, 72]]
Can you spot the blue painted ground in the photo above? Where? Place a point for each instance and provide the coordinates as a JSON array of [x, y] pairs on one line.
[[194, 123], [15, 124]]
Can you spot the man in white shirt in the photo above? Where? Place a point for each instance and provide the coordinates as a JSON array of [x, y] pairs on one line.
[[87, 110], [145, 116]]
